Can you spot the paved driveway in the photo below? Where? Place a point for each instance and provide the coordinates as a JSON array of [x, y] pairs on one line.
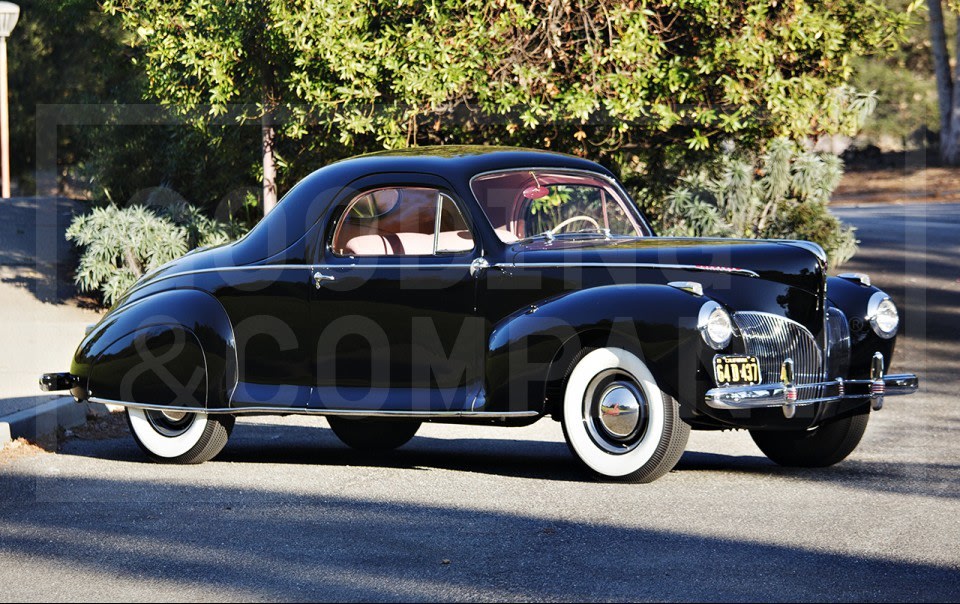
[[485, 513]]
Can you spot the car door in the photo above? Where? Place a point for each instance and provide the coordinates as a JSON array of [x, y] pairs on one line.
[[393, 301]]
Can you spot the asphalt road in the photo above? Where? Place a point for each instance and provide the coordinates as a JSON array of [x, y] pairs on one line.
[[469, 513]]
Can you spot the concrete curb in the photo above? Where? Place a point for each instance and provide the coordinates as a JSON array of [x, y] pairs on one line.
[[41, 423]]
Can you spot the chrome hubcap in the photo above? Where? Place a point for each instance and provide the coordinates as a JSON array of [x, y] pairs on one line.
[[615, 412], [619, 410], [174, 416], [170, 423]]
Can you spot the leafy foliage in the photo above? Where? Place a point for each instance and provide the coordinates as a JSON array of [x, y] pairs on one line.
[[210, 168], [782, 193], [64, 52], [657, 89], [669, 79], [119, 245]]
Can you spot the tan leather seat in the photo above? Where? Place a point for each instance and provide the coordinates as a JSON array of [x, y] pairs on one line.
[[407, 244]]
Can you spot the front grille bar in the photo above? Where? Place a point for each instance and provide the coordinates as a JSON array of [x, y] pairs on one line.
[[773, 339]]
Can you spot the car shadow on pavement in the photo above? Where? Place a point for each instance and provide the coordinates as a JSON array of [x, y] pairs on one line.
[[926, 479], [530, 459], [201, 542]]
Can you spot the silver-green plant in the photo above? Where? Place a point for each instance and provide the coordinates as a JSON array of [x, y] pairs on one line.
[[781, 193], [119, 245]]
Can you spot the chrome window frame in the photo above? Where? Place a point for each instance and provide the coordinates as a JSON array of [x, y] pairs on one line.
[[438, 208], [630, 206]]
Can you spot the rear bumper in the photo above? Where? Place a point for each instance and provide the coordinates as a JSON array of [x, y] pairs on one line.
[[777, 395], [51, 382]]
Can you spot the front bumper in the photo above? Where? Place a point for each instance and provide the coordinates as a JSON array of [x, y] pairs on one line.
[[790, 395]]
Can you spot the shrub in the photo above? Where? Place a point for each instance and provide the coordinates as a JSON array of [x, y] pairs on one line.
[[780, 194], [119, 245]]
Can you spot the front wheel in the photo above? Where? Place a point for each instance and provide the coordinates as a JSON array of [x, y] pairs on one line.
[[369, 434], [616, 419], [179, 437], [823, 446]]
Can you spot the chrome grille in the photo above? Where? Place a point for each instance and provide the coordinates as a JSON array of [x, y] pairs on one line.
[[838, 344], [773, 339]]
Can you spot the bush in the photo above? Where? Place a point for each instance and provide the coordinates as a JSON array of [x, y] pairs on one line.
[[119, 245], [780, 194]]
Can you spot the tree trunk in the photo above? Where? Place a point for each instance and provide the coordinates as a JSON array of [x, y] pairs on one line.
[[269, 164], [952, 154], [945, 84]]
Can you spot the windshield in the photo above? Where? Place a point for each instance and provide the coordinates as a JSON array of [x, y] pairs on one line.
[[528, 203]]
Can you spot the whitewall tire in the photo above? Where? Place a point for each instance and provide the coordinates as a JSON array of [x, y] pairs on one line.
[[616, 419], [175, 437]]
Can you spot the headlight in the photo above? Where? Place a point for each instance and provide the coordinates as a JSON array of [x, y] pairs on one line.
[[715, 325], [883, 315]]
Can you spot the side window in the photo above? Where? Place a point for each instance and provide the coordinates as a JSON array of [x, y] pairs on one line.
[[401, 221]]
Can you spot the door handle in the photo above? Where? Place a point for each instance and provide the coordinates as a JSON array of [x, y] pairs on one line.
[[319, 278], [479, 266]]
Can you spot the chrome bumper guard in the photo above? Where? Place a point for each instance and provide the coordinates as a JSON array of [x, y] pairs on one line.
[[786, 394]]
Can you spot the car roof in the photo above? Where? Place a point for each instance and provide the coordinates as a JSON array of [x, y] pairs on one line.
[[457, 164], [465, 161]]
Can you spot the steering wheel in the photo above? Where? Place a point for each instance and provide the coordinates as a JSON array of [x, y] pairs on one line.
[[573, 219]]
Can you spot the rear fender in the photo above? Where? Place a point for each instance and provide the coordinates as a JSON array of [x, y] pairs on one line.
[[172, 348], [530, 350]]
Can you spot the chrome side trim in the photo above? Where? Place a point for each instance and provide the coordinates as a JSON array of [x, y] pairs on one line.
[[775, 395], [308, 267], [480, 415], [305, 267], [686, 267]]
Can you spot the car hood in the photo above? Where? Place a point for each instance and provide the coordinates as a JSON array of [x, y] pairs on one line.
[[777, 276]]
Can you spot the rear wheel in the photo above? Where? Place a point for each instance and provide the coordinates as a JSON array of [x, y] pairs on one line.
[[373, 434], [616, 419], [179, 437], [823, 446]]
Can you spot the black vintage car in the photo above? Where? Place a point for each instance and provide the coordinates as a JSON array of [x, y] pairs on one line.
[[478, 284]]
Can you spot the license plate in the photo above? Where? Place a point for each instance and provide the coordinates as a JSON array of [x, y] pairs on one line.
[[736, 370]]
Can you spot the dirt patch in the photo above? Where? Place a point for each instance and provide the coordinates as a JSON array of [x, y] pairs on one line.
[[101, 427], [98, 427], [926, 185], [18, 449]]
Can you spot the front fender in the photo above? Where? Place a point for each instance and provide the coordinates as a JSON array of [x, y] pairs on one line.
[[530, 350], [852, 298], [173, 347]]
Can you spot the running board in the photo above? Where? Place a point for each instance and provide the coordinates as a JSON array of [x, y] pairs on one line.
[[385, 413]]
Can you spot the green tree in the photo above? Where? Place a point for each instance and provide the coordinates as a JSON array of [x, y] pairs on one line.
[[202, 57], [65, 52], [664, 81]]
